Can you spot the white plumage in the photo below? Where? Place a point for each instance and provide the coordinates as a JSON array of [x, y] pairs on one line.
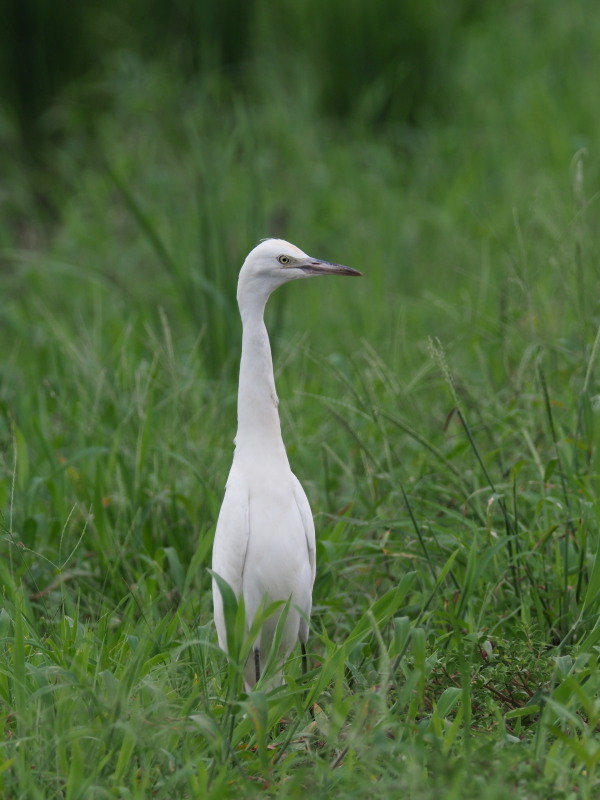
[[265, 538]]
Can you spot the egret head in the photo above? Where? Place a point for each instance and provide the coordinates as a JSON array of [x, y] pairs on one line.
[[274, 262]]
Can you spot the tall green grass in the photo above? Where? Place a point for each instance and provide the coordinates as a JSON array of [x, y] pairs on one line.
[[441, 413]]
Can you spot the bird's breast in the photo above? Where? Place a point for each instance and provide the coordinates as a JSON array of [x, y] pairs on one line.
[[277, 544]]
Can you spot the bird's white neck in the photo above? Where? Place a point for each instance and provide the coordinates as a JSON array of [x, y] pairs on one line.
[[258, 419]]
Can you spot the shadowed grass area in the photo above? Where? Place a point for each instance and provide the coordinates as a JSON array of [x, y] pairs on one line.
[[442, 414]]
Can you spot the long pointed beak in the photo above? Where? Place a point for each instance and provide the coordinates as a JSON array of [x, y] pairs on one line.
[[314, 266]]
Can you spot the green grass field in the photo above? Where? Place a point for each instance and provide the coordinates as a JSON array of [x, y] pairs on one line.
[[441, 413]]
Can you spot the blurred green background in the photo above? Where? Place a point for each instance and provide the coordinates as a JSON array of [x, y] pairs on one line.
[[448, 150], [164, 139]]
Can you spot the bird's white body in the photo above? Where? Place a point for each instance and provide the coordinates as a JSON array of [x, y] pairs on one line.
[[265, 538]]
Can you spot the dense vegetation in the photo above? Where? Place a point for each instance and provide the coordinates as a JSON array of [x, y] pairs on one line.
[[442, 413]]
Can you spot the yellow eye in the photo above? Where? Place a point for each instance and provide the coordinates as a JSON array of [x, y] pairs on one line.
[[283, 260]]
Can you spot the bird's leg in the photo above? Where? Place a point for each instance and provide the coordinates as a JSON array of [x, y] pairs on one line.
[[311, 710], [257, 664]]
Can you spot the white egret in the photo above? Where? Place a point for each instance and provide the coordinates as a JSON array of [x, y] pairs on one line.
[[265, 537]]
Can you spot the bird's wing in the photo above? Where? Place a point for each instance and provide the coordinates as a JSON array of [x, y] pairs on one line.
[[308, 523], [230, 545], [231, 535]]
